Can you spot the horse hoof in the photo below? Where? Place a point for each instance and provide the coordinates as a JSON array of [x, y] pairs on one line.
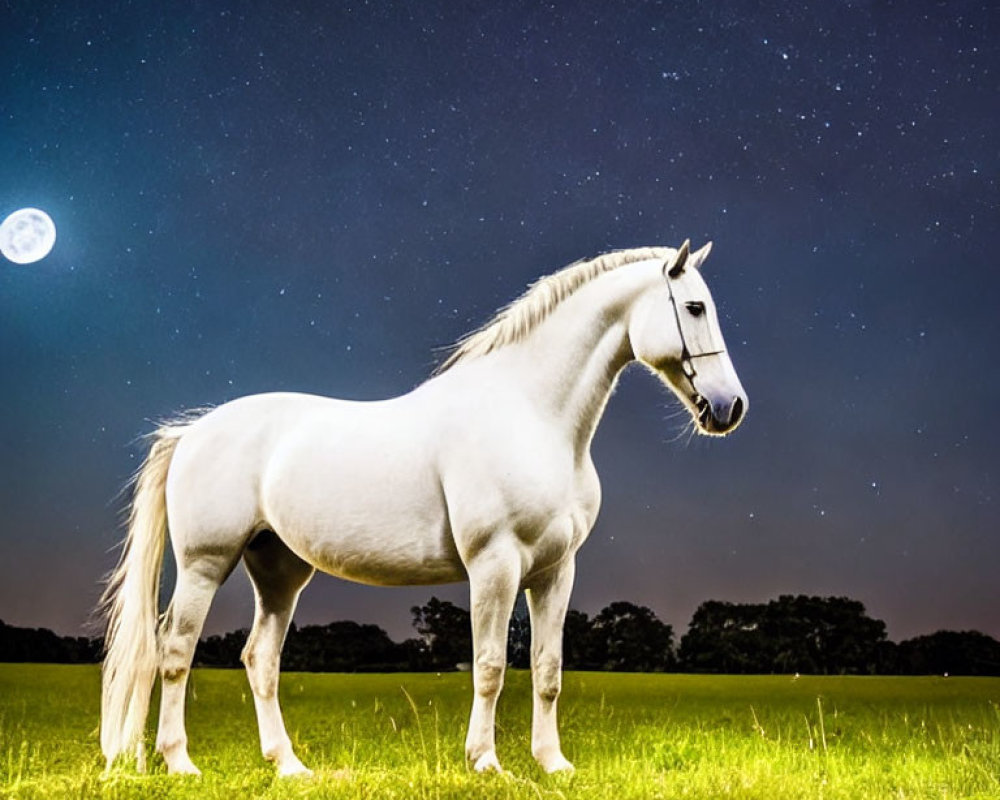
[[558, 764], [289, 765], [487, 762], [296, 770]]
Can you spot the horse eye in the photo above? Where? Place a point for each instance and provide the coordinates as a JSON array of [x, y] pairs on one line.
[[695, 307]]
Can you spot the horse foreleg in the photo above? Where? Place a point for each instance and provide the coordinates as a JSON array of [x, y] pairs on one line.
[[548, 599], [278, 576], [196, 586], [494, 578]]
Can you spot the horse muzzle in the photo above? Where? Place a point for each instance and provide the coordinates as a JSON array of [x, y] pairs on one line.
[[718, 419]]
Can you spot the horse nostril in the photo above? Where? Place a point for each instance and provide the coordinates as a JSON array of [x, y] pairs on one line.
[[704, 409], [736, 412]]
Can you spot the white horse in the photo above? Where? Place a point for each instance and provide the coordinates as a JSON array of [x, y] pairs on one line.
[[483, 473]]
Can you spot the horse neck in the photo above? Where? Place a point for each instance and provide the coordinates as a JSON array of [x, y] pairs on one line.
[[570, 363]]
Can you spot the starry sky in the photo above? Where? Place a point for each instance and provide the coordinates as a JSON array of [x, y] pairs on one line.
[[320, 197]]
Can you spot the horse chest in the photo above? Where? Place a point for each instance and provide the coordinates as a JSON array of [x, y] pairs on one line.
[[533, 501], [541, 502]]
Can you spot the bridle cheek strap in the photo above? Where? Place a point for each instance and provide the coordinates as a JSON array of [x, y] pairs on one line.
[[687, 357]]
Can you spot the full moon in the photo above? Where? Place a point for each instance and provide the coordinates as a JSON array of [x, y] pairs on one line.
[[27, 236]]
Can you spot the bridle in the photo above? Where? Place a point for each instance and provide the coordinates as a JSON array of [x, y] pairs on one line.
[[687, 357]]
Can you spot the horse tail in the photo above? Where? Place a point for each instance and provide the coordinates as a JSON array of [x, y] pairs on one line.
[[130, 604]]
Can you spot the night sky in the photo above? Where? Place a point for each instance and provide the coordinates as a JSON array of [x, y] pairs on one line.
[[318, 197]]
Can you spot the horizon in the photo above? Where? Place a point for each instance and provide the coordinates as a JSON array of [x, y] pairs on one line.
[[678, 634]]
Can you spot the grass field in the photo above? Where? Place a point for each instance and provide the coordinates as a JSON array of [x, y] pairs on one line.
[[631, 736]]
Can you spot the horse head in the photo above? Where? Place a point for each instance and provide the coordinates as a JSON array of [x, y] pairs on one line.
[[674, 330]]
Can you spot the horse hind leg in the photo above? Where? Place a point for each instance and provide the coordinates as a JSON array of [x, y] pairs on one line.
[[197, 582], [278, 576]]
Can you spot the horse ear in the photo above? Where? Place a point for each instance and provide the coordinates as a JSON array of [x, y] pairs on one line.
[[698, 256], [676, 266]]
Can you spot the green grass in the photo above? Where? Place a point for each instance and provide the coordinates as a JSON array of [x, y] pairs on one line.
[[631, 736]]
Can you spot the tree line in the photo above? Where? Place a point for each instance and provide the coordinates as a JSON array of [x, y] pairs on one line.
[[792, 634]]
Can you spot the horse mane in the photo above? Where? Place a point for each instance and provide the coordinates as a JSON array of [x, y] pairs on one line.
[[515, 321]]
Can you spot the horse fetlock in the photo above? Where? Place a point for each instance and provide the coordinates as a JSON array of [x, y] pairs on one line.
[[277, 749], [175, 754], [478, 743], [287, 762], [170, 746]]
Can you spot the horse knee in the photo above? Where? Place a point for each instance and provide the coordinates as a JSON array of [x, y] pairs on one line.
[[547, 674], [489, 675], [549, 692]]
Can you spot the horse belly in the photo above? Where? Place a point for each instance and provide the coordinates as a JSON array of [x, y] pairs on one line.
[[359, 514]]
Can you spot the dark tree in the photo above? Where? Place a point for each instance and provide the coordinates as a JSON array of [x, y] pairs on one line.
[[446, 629], [627, 637], [40, 645], [723, 637], [343, 646], [414, 656], [519, 636], [221, 651], [949, 653], [578, 642], [822, 635], [791, 634]]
